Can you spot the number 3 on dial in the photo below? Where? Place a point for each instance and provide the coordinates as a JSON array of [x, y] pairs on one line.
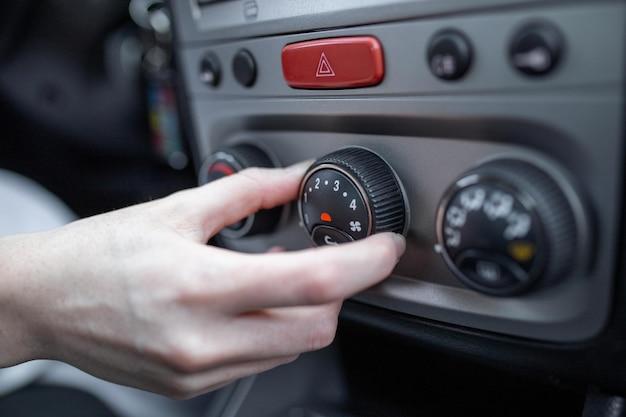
[[336, 187]]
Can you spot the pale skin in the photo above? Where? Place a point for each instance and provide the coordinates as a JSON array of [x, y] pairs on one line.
[[136, 296]]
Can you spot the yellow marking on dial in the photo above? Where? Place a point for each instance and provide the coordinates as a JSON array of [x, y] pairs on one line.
[[522, 251]]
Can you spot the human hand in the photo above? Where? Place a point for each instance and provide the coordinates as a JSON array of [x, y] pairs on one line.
[[136, 297]]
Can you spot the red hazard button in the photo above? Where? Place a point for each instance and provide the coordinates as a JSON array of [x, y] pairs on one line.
[[348, 62]]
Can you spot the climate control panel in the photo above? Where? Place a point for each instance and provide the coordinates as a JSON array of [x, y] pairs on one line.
[[503, 228], [493, 140]]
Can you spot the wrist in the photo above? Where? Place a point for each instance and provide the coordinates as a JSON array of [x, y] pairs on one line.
[[20, 336]]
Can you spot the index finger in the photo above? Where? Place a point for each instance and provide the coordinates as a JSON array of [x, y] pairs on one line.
[[314, 276], [225, 201]]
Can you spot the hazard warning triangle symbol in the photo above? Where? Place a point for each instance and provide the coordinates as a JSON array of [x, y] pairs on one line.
[[323, 68]]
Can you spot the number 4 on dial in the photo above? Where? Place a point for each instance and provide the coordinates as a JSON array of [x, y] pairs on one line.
[[353, 204]]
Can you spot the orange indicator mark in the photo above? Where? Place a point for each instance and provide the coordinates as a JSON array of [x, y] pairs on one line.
[[325, 217]]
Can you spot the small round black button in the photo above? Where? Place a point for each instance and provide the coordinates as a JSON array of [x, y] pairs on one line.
[[210, 70], [536, 49], [244, 68], [326, 235], [449, 55]]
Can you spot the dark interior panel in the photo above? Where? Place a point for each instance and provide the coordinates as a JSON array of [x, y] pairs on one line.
[[519, 102]]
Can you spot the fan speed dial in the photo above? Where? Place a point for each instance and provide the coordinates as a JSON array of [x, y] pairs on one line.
[[350, 194]]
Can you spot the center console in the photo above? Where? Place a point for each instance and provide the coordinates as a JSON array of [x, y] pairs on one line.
[[489, 132]]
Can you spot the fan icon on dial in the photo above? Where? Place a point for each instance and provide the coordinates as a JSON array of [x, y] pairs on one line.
[[355, 226]]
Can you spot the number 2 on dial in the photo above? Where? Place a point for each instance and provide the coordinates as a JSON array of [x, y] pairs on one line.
[[353, 204], [317, 183]]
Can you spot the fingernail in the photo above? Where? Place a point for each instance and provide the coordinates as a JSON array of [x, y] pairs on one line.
[[400, 243]]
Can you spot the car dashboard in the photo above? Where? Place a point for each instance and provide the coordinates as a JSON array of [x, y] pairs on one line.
[[489, 132]]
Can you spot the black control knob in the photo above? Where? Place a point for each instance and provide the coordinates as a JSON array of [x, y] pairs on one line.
[[449, 55], [504, 226], [536, 49], [231, 160], [210, 70], [350, 194], [244, 68]]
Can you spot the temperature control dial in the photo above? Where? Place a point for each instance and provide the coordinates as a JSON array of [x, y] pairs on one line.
[[231, 160], [350, 194], [505, 225]]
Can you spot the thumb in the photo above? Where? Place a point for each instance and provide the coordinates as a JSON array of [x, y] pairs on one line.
[[223, 202]]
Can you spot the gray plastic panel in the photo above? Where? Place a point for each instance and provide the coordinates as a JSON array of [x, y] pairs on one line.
[[407, 72], [248, 18], [570, 124]]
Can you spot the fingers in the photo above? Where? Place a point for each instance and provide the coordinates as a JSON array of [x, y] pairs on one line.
[[230, 199], [311, 277], [275, 249], [188, 386], [262, 335], [322, 275], [285, 331], [253, 343]]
